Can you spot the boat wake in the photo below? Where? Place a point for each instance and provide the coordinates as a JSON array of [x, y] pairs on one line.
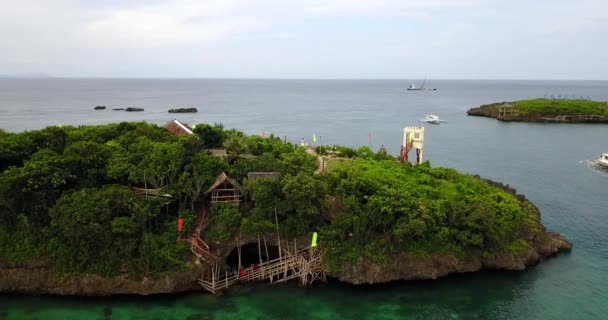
[[595, 167]]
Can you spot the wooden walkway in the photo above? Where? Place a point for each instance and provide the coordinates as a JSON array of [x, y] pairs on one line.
[[198, 247], [305, 264]]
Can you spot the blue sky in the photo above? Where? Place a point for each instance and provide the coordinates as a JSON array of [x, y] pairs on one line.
[[467, 39]]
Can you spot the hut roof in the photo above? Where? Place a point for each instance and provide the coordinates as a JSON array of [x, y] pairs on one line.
[[506, 105], [263, 175], [179, 128], [221, 178]]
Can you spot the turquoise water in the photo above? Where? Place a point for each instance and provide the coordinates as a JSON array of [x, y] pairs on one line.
[[546, 162], [475, 296]]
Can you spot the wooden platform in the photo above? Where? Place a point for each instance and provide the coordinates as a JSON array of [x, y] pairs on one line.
[[305, 264]]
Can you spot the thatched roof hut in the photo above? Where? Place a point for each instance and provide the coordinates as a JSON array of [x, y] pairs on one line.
[[225, 190]]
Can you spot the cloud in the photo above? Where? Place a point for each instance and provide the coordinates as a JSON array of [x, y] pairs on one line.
[[168, 24], [304, 38], [388, 7]]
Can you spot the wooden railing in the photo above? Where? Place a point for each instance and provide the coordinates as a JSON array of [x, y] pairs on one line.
[[305, 264]]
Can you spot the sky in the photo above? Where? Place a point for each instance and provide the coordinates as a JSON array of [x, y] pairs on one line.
[[378, 39]]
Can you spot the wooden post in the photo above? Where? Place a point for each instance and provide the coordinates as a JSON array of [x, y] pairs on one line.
[[238, 249], [278, 235], [226, 279], [266, 247], [259, 249]]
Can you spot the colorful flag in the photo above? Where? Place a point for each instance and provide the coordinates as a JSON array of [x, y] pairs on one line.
[[314, 138], [263, 134], [180, 224], [369, 137]]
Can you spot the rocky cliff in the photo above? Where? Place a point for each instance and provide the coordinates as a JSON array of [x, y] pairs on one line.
[[409, 266], [42, 280]]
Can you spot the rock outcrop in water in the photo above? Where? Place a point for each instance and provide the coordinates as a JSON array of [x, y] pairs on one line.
[[100, 108], [131, 109], [183, 110]]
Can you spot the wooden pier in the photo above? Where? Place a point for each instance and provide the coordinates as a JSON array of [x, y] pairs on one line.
[[305, 265]]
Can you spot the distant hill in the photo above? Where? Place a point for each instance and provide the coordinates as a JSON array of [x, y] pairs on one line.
[[25, 75]]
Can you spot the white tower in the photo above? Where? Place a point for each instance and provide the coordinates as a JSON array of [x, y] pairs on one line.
[[413, 137]]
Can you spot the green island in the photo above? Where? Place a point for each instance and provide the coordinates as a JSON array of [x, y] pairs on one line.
[[545, 110], [93, 210]]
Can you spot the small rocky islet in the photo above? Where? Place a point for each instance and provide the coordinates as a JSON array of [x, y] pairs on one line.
[[545, 110], [183, 110], [378, 219]]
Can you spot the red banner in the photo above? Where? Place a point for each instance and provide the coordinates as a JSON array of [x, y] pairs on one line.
[[180, 224]]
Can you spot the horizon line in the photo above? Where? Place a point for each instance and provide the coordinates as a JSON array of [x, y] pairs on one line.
[[5, 76]]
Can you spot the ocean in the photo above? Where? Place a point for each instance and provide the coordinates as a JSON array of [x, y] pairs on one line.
[[546, 162]]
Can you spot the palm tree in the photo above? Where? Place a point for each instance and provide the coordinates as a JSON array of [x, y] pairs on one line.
[[235, 146]]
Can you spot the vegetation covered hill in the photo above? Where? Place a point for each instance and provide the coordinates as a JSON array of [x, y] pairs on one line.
[[540, 109], [66, 197]]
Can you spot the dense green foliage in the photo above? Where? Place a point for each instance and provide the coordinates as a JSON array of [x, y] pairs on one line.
[[388, 207], [67, 197], [560, 106]]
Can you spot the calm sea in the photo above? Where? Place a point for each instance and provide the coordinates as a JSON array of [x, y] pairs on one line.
[[547, 162]]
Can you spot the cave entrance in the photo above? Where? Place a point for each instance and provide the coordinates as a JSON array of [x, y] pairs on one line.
[[250, 255]]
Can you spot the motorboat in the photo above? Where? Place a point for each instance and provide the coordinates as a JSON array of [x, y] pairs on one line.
[[433, 118], [603, 160]]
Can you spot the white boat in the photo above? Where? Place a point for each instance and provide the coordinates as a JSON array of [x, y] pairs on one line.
[[413, 86], [433, 118], [603, 160], [421, 88]]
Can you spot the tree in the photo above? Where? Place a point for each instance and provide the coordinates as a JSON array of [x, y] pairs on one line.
[[235, 146], [98, 230], [200, 174], [304, 202], [211, 136], [299, 161], [34, 188], [87, 161]]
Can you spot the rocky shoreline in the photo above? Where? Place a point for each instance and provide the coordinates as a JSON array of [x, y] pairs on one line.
[[402, 266], [41, 279]]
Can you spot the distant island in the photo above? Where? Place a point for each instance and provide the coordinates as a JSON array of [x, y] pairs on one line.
[[135, 208], [545, 110], [32, 75]]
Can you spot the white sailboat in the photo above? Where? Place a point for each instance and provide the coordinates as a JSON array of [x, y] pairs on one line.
[[413, 86]]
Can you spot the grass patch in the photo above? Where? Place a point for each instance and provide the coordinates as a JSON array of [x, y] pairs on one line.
[[557, 107]]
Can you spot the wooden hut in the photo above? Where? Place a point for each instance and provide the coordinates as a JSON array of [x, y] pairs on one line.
[[178, 128], [225, 190]]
